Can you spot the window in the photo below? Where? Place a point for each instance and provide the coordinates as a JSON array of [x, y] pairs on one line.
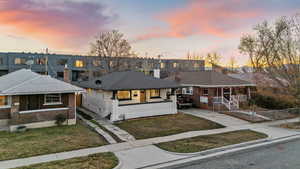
[[3, 101], [52, 99], [60, 75], [62, 62], [1, 60], [188, 90], [124, 95], [40, 61], [162, 65], [154, 93], [196, 65], [97, 63], [97, 74], [174, 65], [20, 61], [79, 63], [205, 92]]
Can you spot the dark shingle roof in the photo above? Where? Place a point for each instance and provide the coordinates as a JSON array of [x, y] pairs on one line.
[[128, 80], [207, 79]]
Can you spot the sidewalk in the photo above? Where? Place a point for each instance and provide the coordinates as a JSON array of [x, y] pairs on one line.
[[142, 152]]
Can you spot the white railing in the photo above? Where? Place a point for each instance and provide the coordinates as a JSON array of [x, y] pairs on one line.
[[229, 104], [240, 98], [235, 102]]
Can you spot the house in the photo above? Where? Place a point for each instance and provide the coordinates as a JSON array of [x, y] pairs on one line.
[[33, 100], [126, 95], [210, 88]]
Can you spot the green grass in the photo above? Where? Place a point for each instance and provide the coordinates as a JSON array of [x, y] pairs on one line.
[[201, 143], [158, 126], [47, 140], [96, 161], [107, 131]]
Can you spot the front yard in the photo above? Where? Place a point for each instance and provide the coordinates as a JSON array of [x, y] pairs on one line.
[[201, 143], [47, 140], [158, 126], [96, 161]]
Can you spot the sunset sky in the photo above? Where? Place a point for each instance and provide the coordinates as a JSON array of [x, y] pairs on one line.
[[167, 27]]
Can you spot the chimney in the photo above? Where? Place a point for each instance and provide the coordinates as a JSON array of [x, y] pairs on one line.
[[177, 77], [67, 74], [156, 73]]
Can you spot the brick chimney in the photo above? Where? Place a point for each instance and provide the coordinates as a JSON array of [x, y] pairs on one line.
[[177, 77], [67, 74]]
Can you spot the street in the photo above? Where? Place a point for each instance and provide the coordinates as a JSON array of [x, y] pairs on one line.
[[280, 156]]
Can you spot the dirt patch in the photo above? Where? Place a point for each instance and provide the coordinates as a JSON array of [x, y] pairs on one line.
[[246, 117]]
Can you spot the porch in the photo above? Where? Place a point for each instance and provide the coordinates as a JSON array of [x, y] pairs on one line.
[[230, 97], [121, 111]]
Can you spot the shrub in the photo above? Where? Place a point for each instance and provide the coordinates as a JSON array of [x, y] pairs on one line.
[[60, 119], [270, 102]]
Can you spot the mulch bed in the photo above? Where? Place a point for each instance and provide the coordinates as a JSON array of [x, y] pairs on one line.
[[278, 115], [246, 117]]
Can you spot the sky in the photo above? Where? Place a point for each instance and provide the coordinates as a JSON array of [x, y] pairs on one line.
[[171, 28]]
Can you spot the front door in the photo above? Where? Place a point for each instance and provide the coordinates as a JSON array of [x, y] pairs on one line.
[[142, 96]]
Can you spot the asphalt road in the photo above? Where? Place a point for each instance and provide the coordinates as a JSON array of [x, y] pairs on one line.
[[280, 156]]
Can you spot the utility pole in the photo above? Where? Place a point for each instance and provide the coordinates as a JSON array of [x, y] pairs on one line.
[[46, 64]]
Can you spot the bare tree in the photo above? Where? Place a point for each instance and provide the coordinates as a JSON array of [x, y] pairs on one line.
[[275, 51], [112, 46], [213, 58], [232, 62]]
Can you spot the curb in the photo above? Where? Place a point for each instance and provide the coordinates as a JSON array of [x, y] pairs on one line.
[[215, 150], [183, 162], [119, 166]]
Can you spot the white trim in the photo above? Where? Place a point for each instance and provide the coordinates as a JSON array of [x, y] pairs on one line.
[[210, 86], [5, 107], [51, 104], [40, 92], [43, 110]]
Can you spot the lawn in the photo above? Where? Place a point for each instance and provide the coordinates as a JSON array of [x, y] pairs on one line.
[[158, 126], [201, 143], [47, 140], [96, 161]]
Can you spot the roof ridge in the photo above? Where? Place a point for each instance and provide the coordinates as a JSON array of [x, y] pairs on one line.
[[21, 84]]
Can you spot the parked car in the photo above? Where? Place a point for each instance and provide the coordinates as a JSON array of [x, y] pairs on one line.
[[184, 102]]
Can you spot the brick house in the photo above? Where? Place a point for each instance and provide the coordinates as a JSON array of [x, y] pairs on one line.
[[210, 88], [33, 100]]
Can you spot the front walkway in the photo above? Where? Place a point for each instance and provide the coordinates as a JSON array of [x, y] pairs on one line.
[[121, 134]]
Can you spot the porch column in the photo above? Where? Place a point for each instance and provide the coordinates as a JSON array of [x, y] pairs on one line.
[[222, 93], [230, 91], [249, 93]]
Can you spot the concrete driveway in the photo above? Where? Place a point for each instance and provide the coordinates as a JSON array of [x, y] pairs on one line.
[[223, 119]]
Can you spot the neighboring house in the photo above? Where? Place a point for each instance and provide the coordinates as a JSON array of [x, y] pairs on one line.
[[208, 88], [33, 100], [127, 95]]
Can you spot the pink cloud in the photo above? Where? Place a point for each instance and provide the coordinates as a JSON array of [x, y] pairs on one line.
[[59, 24], [203, 17]]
